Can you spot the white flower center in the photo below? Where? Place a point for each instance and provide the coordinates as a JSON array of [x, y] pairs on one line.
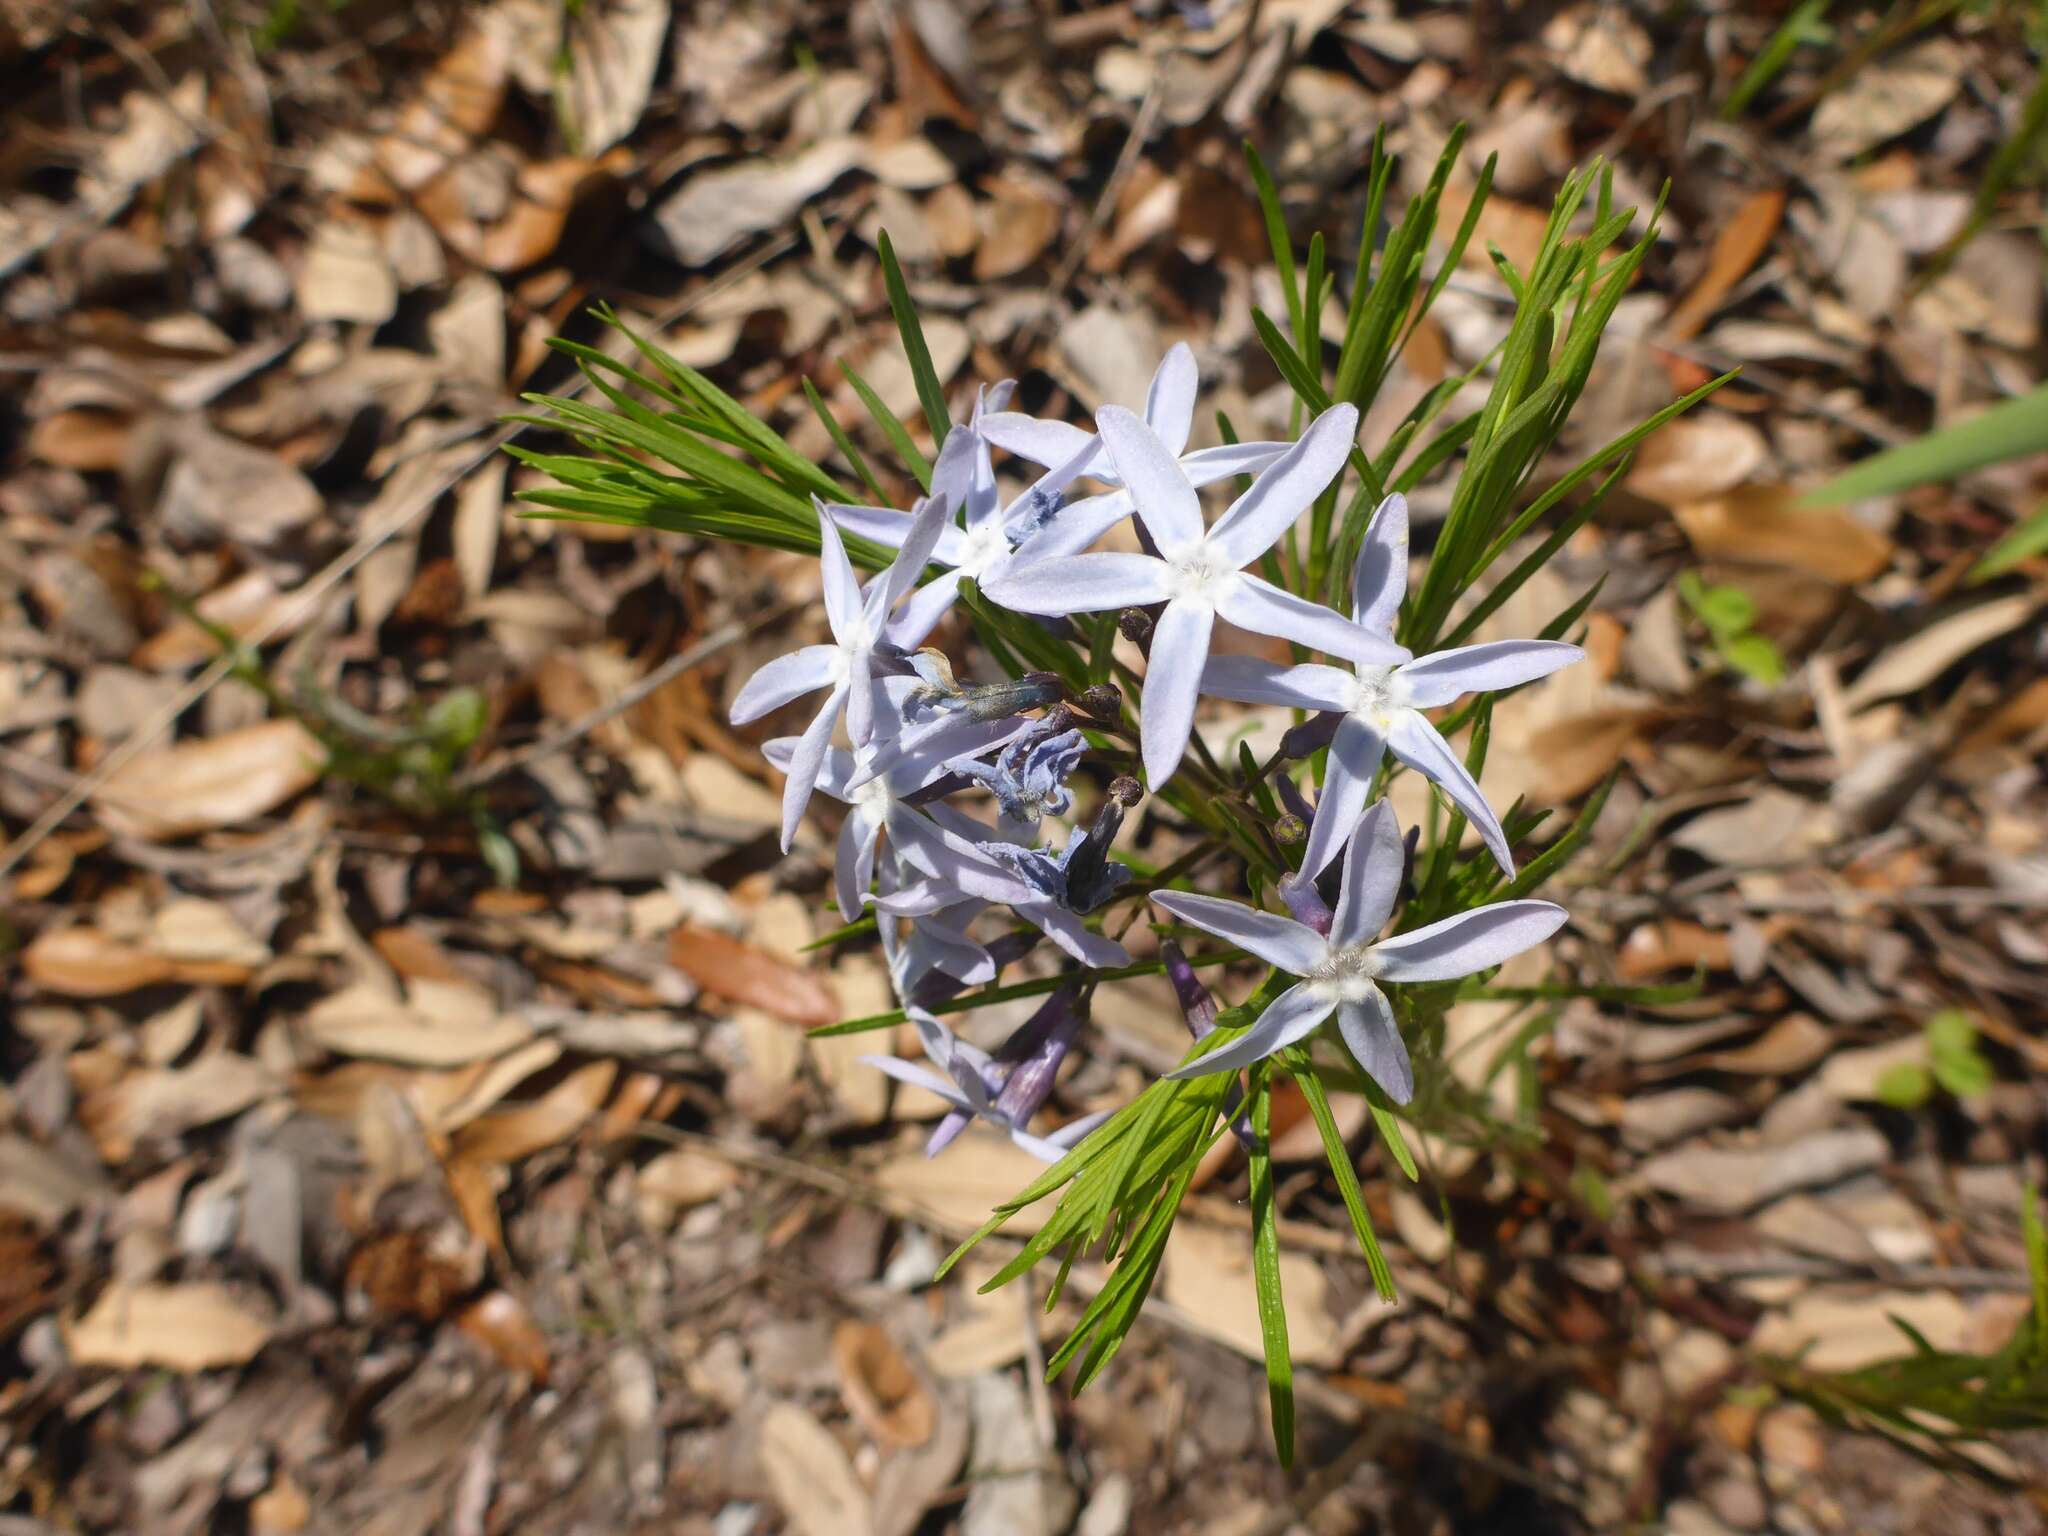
[[1198, 574], [983, 546], [1345, 975], [874, 797], [1376, 693]]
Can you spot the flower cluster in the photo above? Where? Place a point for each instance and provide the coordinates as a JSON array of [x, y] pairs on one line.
[[923, 742]]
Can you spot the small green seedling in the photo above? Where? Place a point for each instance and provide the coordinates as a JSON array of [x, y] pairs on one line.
[[1730, 616], [1954, 1064]]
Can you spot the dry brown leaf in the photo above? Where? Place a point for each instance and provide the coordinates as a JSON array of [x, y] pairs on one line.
[[81, 961], [438, 1024], [678, 1180], [717, 209], [742, 973], [1919, 661], [1601, 46], [501, 1323], [506, 1135], [1738, 247], [82, 439], [345, 274], [1672, 945], [1016, 226], [1766, 525], [1209, 1278], [1882, 100], [882, 1389], [1696, 456], [1791, 1045], [1732, 1180], [978, 1173], [221, 781], [811, 1476], [614, 53], [197, 1326], [162, 1101], [456, 103]]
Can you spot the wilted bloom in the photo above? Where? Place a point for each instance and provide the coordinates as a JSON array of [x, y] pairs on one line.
[[1381, 699], [969, 1079], [846, 666], [1080, 877], [1029, 776], [1199, 573], [1342, 973]]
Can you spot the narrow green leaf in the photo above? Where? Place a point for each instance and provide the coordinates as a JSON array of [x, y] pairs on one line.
[[2008, 430], [914, 461], [1303, 1071], [931, 390], [1266, 1275]]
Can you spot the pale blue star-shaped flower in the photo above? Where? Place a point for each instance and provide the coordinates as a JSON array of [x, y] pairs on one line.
[[1342, 972], [988, 533], [1198, 573], [1075, 452], [1381, 699], [860, 622], [968, 1079]]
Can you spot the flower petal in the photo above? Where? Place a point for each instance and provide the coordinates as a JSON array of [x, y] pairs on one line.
[[1205, 466], [805, 761], [1468, 942], [1372, 876], [860, 695], [1081, 584], [1369, 1031], [853, 864], [1289, 1017], [1380, 578], [1252, 680], [921, 612], [1284, 490], [842, 587], [918, 1077], [1170, 402], [1073, 528], [836, 774], [1444, 675], [1295, 947], [1355, 754], [1042, 442], [928, 520], [783, 679], [1073, 935], [1416, 742], [1173, 682], [1257, 605], [1165, 502], [951, 858]]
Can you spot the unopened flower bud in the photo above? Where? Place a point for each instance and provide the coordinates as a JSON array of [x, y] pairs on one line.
[[1105, 701], [1293, 799], [1197, 1006], [1135, 625], [1289, 830], [1305, 902], [1311, 736]]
